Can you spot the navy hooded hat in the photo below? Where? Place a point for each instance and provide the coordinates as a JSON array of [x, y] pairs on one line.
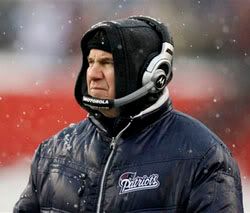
[[134, 44], [99, 41]]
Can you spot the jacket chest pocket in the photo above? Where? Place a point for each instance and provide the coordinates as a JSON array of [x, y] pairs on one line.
[[61, 188]]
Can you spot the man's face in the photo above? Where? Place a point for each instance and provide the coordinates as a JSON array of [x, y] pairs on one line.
[[100, 74]]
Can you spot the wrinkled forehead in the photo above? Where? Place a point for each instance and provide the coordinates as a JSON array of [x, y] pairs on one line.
[[96, 53]]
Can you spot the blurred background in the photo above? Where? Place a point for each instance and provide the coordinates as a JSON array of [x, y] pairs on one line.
[[40, 58]]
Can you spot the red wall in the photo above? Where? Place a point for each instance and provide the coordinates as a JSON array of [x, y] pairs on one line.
[[26, 120]]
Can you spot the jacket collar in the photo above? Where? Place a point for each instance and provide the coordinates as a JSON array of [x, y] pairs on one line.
[[162, 99], [112, 126]]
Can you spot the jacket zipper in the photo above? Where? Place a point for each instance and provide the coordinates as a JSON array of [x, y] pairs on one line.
[[112, 147]]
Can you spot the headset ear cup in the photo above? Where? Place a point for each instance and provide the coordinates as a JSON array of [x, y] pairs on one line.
[[144, 69], [160, 76], [160, 62], [159, 79], [167, 68]]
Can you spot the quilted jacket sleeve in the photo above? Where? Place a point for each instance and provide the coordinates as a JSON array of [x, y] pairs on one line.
[[28, 201], [217, 184]]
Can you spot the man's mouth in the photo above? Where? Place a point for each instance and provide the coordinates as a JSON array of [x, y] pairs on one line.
[[97, 88]]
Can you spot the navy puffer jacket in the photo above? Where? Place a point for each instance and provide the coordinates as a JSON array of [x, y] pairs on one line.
[[162, 161]]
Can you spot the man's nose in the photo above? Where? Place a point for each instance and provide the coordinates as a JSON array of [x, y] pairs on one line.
[[95, 71]]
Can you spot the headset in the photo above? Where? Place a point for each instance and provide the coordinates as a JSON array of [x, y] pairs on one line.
[[155, 77]]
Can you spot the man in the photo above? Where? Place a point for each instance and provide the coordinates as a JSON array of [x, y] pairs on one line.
[[133, 153]]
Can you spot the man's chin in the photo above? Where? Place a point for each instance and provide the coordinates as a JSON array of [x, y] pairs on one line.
[[99, 95]]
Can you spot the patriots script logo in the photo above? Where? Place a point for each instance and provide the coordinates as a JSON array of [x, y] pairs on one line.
[[129, 182]]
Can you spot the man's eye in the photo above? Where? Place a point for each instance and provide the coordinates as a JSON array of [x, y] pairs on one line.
[[90, 62]]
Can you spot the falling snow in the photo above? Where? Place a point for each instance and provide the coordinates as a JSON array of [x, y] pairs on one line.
[[119, 46], [36, 45]]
